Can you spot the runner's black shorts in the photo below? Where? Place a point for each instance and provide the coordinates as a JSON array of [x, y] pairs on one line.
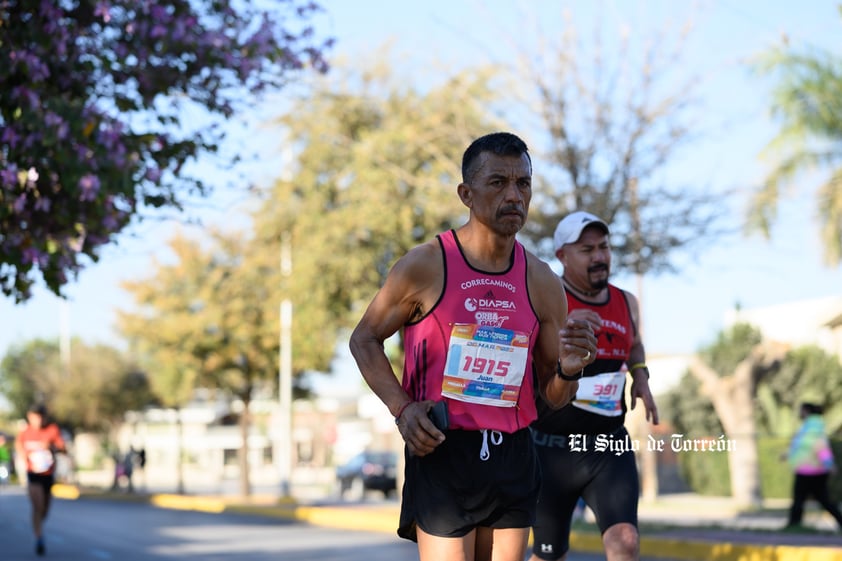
[[45, 480], [452, 491], [606, 480]]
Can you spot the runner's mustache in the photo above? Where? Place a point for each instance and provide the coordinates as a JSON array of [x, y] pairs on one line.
[[597, 267], [512, 209]]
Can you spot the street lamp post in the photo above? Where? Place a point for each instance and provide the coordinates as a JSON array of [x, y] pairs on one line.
[[285, 375]]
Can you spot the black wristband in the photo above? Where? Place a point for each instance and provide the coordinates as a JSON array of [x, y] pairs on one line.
[[560, 373]]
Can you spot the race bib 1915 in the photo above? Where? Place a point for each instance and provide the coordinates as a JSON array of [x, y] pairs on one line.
[[485, 364]]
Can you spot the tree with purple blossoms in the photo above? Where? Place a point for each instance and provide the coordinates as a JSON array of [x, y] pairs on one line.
[[93, 114]]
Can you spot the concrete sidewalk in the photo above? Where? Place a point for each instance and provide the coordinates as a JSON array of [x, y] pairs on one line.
[[686, 526]]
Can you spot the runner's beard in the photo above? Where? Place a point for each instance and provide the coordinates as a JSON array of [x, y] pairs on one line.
[[600, 283]]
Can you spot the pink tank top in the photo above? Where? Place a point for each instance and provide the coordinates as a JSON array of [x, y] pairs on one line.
[[474, 348]]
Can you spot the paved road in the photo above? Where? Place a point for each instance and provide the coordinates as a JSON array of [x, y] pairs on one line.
[[103, 530]]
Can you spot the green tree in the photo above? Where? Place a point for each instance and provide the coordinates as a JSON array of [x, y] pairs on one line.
[[91, 392], [729, 372], [373, 169], [807, 100], [806, 374], [103, 104], [24, 371], [174, 371], [688, 410], [206, 320]]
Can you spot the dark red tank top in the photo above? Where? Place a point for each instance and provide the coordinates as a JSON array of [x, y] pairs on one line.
[[599, 406]]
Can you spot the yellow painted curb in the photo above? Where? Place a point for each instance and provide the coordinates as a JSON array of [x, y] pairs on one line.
[[182, 502], [712, 551], [64, 491], [344, 518], [725, 551]]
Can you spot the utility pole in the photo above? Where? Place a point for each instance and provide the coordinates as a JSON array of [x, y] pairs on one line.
[[285, 372]]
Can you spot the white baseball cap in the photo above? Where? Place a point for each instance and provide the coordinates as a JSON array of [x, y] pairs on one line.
[[570, 228]]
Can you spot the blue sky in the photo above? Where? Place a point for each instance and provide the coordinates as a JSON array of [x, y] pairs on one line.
[[681, 312]]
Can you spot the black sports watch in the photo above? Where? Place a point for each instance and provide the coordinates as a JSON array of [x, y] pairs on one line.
[[560, 373]]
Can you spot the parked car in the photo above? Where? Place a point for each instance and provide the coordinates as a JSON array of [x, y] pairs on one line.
[[371, 470]]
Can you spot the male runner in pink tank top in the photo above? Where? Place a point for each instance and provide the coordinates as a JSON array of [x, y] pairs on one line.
[[483, 321]]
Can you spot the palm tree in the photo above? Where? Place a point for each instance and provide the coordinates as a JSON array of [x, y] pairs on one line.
[[807, 98]]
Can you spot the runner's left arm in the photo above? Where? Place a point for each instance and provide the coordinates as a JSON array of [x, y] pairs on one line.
[[637, 365]]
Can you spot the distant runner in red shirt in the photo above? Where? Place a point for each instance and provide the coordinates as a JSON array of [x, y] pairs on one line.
[[37, 445]]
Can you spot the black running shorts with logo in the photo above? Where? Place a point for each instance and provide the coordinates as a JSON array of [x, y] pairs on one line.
[[606, 480], [453, 490]]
